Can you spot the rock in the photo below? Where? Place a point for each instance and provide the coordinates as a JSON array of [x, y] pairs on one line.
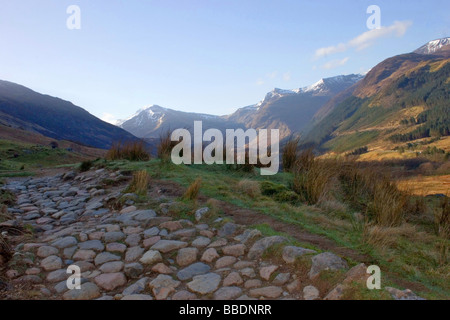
[[210, 255], [137, 287], [291, 253], [151, 241], [227, 293], [218, 243], [266, 272], [85, 255], [96, 235], [33, 271], [200, 213], [104, 257], [137, 297], [116, 247], [165, 246], [201, 242], [204, 284], [132, 230], [193, 270], [151, 257], [184, 295], [114, 236], [163, 281], [225, 262], [310, 293], [112, 267], [326, 261], [227, 230], [133, 240], [243, 264], [236, 250], [134, 254], [402, 295], [84, 266], [58, 275], [281, 279], [252, 283], [271, 292], [248, 272], [293, 286], [248, 235], [65, 242], [234, 278], [151, 232], [171, 226], [186, 256], [128, 210], [88, 291], [111, 281], [46, 251], [51, 263], [262, 245], [144, 215], [133, 270], [162, 269], [95, 245]]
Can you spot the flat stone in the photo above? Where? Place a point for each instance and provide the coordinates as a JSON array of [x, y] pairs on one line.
[[225, 262], [162, 269], [200, 213], [210, 255], [171, 225], [310, 293], [65, 242], [46, 251], [151, 241], [151, 257], [266, 272], [137, 297], [128, 209], [137, 287], [234, 278], [114, 236], [193, 270], [95, 245], [186, 256], [227, 230], [116, 247], [96, 235], [133, 270], [133, 240], [326, 261], [112, 267], [184, 295], [201, 242], [134, 253], [165, 246], [57, 275], [84, 266], [281, 279], [270, 292], [291, 253], [104, 257], [227, 293], [33, 271], [248, 235], [236, 250], [88, 291], [205, 283], [151, 232], [252, 283], [262, 245], [69, 252], [51, 263], [218, 243], [164, 281], [111, 281], [85, 255]]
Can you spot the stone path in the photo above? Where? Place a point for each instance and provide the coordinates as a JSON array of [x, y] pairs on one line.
[[139, 254]]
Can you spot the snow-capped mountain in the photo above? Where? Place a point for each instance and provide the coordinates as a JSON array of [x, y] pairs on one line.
[[287, 110], [433, 46]]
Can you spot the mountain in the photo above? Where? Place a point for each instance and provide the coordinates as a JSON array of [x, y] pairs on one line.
[[26, 109], [403, 98], [290, 111]]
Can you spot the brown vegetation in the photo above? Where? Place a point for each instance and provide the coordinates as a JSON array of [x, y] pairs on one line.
[[133, 151]]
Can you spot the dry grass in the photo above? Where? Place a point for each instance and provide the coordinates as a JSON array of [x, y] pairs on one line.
[[442, 222], [423, 186], [165, 146], [290, 154], [139, 183], [387, 237], [193, 190], [133, 151], [249, 187]]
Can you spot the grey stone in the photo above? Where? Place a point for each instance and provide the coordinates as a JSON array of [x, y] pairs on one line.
[[227, 293], [114, 236], [168, 245], [205, 283], [88, 291], [133, 254], [45, 251], [104, 257], [111, 267], [193, 270], [133, 270], [95, 245], [137, 287], [65, 242], [151, 257], [326, 261], [260, 246], [291, 253], [51, 263]]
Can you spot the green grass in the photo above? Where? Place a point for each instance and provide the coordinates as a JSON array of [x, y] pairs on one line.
[[352, 141]]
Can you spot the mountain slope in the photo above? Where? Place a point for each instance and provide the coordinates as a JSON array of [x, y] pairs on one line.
[[402, 99], [26, 109]]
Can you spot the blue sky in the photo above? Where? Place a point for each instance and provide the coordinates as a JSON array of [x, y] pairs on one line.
[[209, 56]]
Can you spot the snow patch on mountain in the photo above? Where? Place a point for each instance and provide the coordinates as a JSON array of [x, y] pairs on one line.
[[433, 46]]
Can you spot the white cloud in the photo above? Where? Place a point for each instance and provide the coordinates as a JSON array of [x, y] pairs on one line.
[[335, 63], [287, 76], [259, 82], [366, 39], [108, 117]]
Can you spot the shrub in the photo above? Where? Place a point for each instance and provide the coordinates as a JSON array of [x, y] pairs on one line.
[[249, 187], [192, 191], [289, 154], [133, 151], [85, 165], [165, 146], [139, 183], [269, 188]]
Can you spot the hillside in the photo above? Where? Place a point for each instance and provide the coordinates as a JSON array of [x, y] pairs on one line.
[[26, 109], [402, 99]]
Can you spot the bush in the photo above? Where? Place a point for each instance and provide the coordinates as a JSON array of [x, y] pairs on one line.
[[269, 188], [133, 151], [165, 146], [289, 154], [139, 183], [193, 190], [85, 165], [249, 187]]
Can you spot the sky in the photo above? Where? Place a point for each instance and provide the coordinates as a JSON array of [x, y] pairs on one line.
[[207, 56]]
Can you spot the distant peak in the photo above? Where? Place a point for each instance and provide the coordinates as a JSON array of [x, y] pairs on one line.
[[433, 46]]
